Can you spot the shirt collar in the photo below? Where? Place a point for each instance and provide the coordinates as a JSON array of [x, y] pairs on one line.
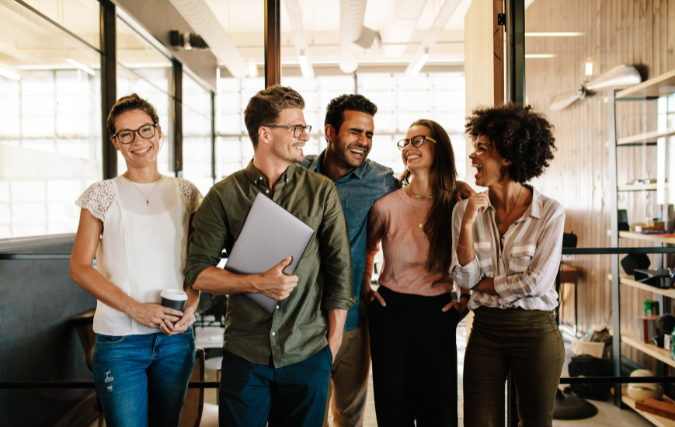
[[318, 161], [258, 178], [535, 208]]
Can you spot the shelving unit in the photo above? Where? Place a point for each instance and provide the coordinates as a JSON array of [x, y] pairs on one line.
[[649, 90], [646, 237], [655, 419]]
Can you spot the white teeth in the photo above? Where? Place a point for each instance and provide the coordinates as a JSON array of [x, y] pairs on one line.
[[413, 157], [357, 151], [142, 151]]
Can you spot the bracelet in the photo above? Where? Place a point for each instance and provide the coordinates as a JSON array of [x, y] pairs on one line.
[[467, 296], [464, 247]]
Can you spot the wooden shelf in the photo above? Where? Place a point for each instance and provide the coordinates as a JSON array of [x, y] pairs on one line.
[[655, 419], [658, 86], [645, 137], [646, 237], [638, 187], [630, 281], [628, 337]]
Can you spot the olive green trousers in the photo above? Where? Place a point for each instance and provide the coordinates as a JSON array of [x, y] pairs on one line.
[[528, 343]]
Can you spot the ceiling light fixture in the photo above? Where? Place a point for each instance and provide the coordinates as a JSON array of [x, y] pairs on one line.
[[304, 66], [552, 34], [252, 70], [420, 63], [81, 67], [540, 55], [9, 74]]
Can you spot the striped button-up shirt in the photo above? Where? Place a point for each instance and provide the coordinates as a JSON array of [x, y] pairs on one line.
[[523, 262]]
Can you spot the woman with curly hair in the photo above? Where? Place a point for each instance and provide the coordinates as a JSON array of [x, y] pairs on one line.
[[508, 243], [412, 316]]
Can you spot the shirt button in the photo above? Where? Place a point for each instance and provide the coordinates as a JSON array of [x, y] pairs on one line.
[[277, 307], [260, 178], [274, 333], [267, 191]]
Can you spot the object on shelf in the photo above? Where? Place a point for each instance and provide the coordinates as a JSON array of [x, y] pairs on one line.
[[664, 233], [641, 391], [666, 323], [632, 261], [645, 328], [659, 341], [639, 181], [637, 225], [662, 408], [657, 225], [657, 278], [594, 349], [623, 220]]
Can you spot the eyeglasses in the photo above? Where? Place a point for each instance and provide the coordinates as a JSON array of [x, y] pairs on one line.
[[297, 129], [416, 141], [127, 136]]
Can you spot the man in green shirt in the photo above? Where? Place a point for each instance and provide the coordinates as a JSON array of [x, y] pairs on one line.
[[276, 366]]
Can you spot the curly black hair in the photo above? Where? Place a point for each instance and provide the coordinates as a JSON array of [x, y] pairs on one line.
[[519, 134], [335, 111]]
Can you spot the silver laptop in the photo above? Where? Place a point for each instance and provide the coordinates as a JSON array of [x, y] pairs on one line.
[[270, 234]]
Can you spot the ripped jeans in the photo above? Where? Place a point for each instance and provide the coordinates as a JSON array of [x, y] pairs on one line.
[[141, 380]]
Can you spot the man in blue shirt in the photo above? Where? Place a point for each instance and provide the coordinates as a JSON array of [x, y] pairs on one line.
[[360, 183]]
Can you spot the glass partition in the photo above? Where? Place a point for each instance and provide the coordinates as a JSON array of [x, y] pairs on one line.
[[197, 134], [50, 123], [146, 72]]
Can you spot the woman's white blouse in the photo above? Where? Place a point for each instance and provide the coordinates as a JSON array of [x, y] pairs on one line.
[[143, 244], [523, 263]]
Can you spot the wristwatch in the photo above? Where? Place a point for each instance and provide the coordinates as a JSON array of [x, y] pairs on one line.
[[467, 296]]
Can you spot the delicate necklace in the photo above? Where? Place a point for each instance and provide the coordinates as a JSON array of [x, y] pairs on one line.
[[511, 211], [421, 224], [420, 197], [147, 198]]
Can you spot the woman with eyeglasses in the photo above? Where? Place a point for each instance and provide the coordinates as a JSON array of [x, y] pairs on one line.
[[136, 226], [412, 316]]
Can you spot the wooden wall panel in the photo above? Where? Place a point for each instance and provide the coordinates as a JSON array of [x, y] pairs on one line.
[[634, 32]]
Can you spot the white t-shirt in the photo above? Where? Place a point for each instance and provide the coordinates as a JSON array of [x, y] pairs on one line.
[[143, 245]]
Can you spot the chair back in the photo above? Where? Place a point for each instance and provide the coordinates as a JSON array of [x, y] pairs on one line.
[[194, 398]]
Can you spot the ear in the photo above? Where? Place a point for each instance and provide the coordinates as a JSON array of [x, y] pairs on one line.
[[264, 136], [330, 133], [115, 144], [506, 162], [159, 132]]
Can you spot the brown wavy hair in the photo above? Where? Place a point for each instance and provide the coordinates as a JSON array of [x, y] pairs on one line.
[[438, 226]]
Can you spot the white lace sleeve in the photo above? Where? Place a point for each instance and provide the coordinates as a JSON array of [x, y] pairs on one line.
[[191, 193], [97, 199]]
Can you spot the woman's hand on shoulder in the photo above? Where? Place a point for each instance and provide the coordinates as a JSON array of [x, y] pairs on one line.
[[153, 315], [464, 191]]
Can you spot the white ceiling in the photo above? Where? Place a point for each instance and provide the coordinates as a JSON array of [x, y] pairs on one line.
[[243, 20]]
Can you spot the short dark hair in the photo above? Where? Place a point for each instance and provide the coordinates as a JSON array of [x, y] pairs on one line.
[[335, 112], [519, 134], [129, 103], [265, 107]]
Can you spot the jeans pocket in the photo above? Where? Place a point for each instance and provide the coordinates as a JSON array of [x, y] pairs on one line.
[[109, 339]]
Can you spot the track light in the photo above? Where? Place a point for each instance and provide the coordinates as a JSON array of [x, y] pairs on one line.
[[420, 63], [304, 66], [9, 74], [81, 67]]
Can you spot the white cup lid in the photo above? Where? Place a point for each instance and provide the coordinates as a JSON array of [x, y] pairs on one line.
[[174, 295]]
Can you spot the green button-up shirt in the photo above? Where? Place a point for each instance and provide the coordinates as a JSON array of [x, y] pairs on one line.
[[299, 326]]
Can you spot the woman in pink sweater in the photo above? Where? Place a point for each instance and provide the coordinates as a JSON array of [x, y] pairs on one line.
[[413, 322]]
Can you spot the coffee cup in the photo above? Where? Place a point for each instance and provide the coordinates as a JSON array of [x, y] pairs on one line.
[[173, 298]]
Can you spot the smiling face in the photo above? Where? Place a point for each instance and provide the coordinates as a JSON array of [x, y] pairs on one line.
[[487, 161], [141, 152], [417, 159], [283, 145], [351, 145]]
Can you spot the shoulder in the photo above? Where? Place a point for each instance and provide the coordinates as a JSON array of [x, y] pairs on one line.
[[389, 200], [98, 198], [551, 208], [309, 159], [313, 178], [189, 191]]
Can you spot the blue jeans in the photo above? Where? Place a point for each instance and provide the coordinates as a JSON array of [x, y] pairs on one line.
[[291, 396], [141, 380]]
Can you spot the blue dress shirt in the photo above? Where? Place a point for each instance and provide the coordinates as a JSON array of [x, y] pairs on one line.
[[358, 191]]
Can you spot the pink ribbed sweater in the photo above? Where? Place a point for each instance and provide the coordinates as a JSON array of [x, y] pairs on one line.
[[394, 222]]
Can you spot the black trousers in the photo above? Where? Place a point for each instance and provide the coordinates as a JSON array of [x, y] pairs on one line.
[[414, 353]]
